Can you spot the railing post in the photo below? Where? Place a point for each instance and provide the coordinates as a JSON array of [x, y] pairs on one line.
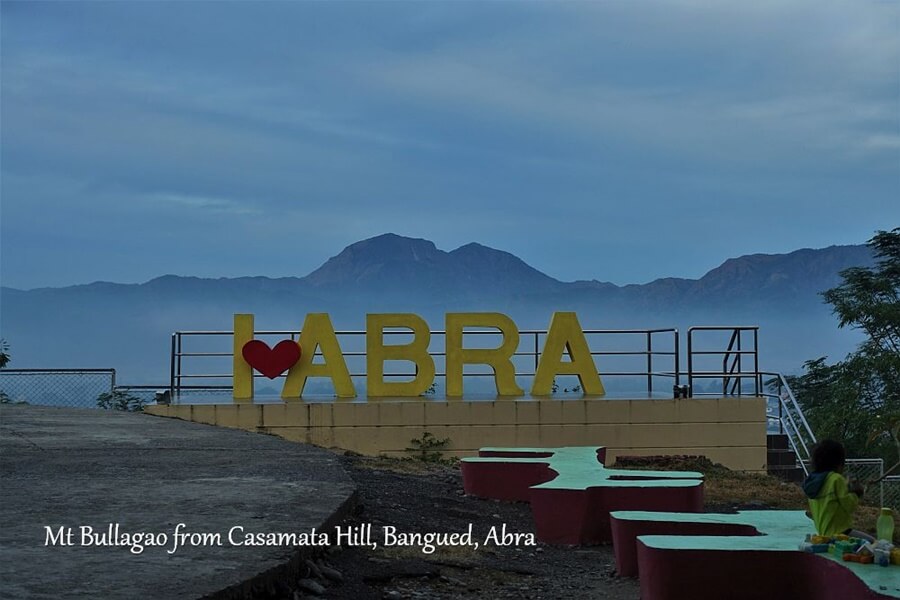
[[172, 369], [677, 360], [690, 360], [780, 407], [780, 412], [756, 360], [726, 370], [650, 363], [178, 376]]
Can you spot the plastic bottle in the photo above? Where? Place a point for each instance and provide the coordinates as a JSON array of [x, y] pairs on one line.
[[885, 525]]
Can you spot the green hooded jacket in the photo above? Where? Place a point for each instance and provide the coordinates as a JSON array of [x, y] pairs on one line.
[[830, 502]]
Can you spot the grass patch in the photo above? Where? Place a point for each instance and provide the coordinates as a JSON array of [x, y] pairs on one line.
[[405, 465], [724, 488], [753, 488]]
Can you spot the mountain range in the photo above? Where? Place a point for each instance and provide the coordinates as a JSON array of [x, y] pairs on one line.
[[128, 326]]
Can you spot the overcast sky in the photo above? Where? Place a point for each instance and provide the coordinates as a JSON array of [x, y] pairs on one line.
[[620, 141]]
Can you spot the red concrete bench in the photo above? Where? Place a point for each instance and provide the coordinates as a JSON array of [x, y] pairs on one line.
[[572, 493]]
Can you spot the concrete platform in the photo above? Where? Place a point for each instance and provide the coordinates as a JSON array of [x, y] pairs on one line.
[[69, 468]]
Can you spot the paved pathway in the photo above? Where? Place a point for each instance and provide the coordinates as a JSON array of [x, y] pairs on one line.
[[71, 468]]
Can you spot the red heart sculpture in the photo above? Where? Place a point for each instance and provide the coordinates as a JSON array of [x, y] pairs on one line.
[[271, 362]]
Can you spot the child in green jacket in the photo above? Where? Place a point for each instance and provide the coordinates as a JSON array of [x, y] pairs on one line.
[[831, 499]]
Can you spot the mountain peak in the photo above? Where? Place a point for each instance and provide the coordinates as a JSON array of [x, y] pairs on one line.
[[391, 260], [380, 259], [392, 243], [474, 247]]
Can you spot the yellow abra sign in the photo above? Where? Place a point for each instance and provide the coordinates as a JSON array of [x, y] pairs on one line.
[[564, 337]]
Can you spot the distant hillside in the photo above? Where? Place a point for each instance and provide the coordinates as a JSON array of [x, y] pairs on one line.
[[786, 275], [128, 326]]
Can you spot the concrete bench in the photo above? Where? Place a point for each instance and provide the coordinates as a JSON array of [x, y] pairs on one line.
[[571, 492]]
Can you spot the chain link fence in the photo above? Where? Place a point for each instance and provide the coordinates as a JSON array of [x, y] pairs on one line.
[[82, 388], [869, 469], [56, 387], [864, 470], [891, 492]]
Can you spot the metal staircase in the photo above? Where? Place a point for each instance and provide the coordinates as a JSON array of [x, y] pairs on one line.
[[788, 427], [790, 438]]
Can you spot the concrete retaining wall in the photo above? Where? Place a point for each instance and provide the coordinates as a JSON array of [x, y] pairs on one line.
[[731, 431]]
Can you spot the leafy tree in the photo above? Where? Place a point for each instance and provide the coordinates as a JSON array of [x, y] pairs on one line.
[[857, 400]]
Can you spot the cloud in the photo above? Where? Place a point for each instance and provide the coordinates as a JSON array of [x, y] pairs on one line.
[[553, 130], [883, 142], [203, 203], [733, 84]]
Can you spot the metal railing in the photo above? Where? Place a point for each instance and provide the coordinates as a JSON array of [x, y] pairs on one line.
[[82, 387], [788, 415], [56, 387], [732, 372], [527, 355]]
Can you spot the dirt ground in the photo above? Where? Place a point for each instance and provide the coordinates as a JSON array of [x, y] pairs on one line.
[[416, 496], [419, 497]]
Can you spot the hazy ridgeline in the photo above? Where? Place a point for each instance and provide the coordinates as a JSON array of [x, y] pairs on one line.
[[128, 327]]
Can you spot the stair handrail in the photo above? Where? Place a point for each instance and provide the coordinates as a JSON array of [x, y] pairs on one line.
[[797, 452], [799, 436], [796, 406], [735, 335], [794, 413]]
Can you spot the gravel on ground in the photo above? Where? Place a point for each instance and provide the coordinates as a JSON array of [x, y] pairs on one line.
[[417, 497]]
